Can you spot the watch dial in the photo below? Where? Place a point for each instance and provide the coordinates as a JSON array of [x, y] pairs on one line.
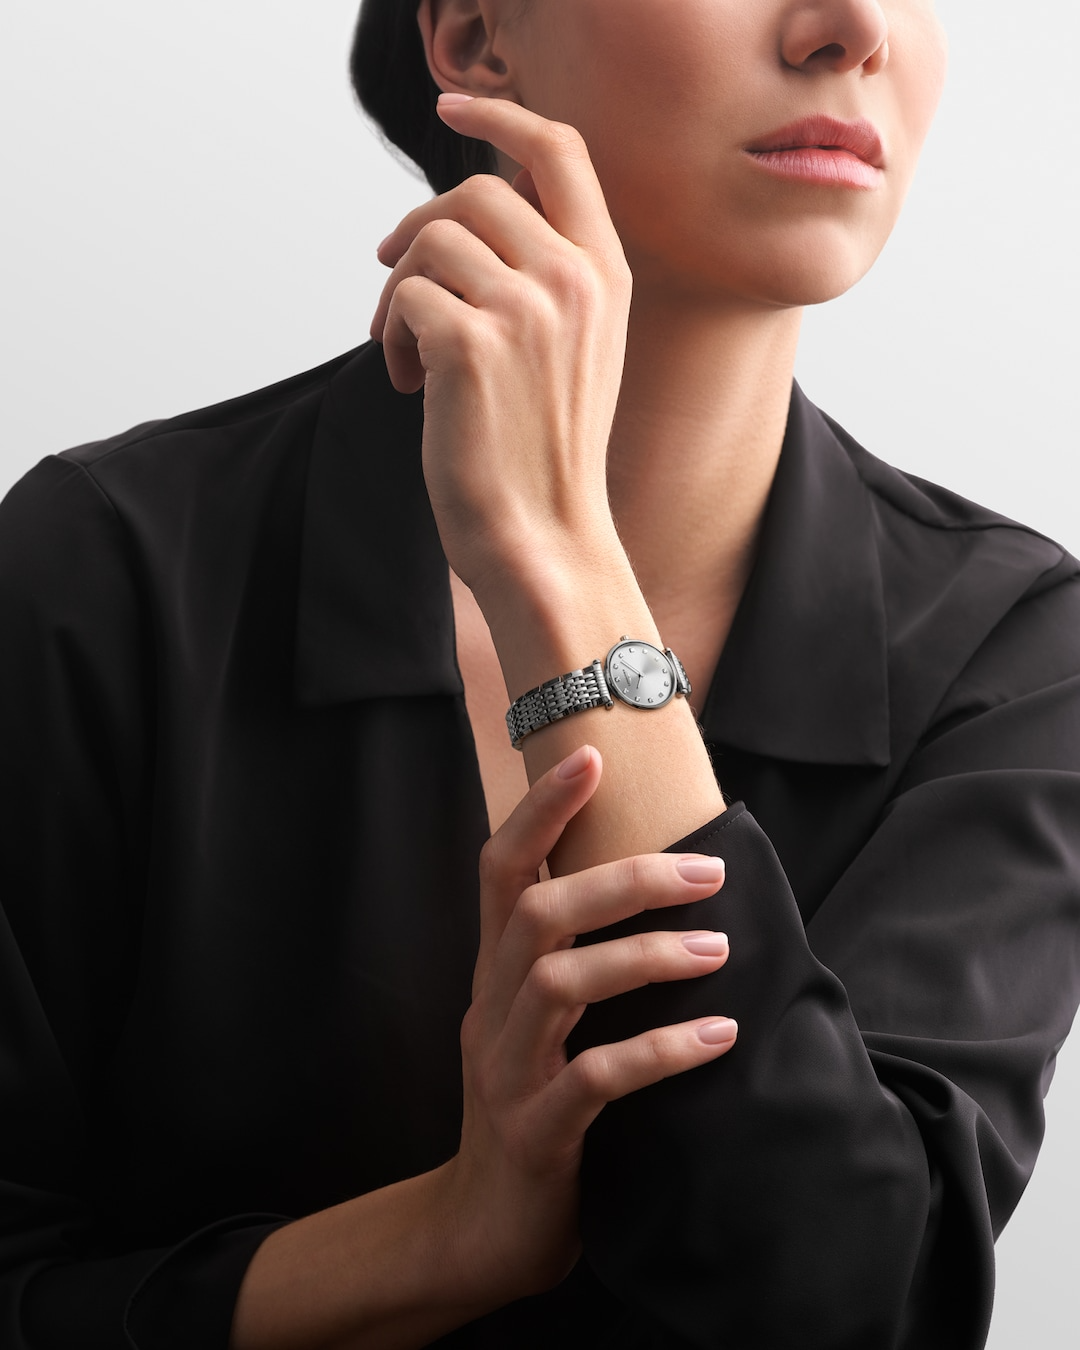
[[640, 674]]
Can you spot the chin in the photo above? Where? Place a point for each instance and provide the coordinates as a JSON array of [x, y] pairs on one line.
[[790, 282], [815, 282], [778, 268]]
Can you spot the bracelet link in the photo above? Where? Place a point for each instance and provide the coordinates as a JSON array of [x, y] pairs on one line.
[[635, 672], [577, 691]]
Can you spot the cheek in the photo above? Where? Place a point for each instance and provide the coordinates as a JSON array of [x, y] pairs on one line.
[[665, 106], [634, 76], [919, 47]]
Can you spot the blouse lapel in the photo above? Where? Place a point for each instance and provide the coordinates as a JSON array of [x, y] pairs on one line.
[[374, 615], [803, 675]]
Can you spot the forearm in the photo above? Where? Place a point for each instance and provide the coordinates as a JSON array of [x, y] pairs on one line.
[[658, 783], [521, 384], [385, 1271]]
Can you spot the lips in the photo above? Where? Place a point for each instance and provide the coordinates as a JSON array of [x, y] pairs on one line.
[[822, 152], [825, 133]]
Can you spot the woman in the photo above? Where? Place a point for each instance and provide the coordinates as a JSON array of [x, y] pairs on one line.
[[249, 783]]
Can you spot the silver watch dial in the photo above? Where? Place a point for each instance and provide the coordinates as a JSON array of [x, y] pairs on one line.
[[640, 674]]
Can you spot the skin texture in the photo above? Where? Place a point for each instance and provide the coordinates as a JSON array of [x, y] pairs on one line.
[[666, 97], [606, 338], [722, 258], [401, 1265]]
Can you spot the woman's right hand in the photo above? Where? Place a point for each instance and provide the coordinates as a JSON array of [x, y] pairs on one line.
[[513, 1186]]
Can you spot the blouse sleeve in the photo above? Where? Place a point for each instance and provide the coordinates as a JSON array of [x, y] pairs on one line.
[[74, 756], [837, 1180]]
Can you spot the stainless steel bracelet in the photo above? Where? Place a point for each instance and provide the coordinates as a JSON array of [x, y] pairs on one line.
[[575, 692]]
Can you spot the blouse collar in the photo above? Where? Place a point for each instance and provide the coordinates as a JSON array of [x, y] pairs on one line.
[[803, 673]]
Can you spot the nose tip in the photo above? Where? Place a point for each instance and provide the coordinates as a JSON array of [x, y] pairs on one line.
[[838, 36]]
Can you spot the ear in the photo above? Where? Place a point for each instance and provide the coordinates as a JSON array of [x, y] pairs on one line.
[[459, 40]]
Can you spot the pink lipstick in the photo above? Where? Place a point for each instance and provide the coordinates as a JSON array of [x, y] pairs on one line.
[[822, 151]]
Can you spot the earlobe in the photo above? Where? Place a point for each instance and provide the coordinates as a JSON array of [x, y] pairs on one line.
[[458, 38]]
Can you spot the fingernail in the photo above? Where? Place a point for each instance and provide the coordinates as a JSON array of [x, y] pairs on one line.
[[701, 870], [716, 1033], [383, 242], [706, 944], [449, 100], [575, 764]]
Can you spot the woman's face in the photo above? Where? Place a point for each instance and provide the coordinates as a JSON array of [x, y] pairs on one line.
[[674, 96]]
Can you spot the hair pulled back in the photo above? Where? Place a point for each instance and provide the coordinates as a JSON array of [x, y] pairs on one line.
[[390, 75]]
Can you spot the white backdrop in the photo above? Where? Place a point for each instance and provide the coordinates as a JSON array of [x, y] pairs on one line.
[[192, 208]]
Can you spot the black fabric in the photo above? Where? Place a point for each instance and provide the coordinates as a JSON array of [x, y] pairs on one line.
[[240, 814]]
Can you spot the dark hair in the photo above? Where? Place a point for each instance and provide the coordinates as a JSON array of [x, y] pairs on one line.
[[394, 86]]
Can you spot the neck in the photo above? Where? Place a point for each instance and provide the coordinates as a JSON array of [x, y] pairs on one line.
[[693, 450]]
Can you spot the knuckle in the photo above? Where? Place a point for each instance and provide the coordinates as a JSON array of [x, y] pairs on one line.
[[409, 290], [574, 283], [637, 873], [561, 138], [592, 1073], [551, 977], [471, 1033], [483, 1080], [653, 1053], [648, 950], [534, 908], [482, 186], [617, 275], [529, 314], [514, 324], [437, 232], [491, 862]]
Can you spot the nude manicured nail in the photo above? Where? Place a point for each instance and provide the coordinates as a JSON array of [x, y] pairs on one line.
[[451, 100], [706, 944], [701, 870], [716, 1033], [576, 763]]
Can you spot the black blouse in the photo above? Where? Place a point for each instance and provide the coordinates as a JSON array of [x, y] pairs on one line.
[[239, 818]]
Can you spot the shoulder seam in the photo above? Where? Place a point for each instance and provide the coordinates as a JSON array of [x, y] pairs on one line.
[[124, 541], [950, 527], [83, 472], [847, 442], [148, 431]]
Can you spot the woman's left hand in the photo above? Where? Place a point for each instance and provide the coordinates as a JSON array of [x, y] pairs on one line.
[[508, 304]]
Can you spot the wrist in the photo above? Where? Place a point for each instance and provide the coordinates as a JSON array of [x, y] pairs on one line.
[[545, 621], [386, 1270], [532, 567], [454, 1250], [495, 1253]]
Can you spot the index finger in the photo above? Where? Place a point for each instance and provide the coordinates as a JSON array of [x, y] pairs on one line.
[[511, 859], [554, 154]]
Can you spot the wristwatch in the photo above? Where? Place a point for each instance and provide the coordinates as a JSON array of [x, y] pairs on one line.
[[634, 672]]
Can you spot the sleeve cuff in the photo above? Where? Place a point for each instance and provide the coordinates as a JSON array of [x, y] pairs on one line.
[[188, 1297]]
